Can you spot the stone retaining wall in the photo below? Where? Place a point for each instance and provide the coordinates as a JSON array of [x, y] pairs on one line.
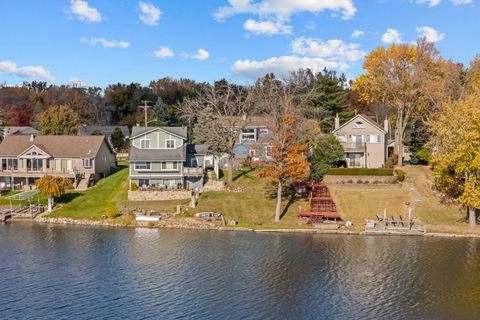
[[158, 195], [360, 179]]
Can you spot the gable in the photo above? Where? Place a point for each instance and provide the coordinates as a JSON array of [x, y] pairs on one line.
[[35, 152], [361, 125]]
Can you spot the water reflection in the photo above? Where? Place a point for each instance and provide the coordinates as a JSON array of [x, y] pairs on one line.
[[85, 273]]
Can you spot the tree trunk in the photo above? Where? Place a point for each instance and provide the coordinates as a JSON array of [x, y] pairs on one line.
[[230, 168], [278, 206], [472, 217], [50, 204]]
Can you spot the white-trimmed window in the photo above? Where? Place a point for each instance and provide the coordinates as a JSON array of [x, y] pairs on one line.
[[175, 165], [251, 153], [87, 163], [142, 166], [247, 135], [359, 125], [342, 138], [145, 144], [264, 131], [373, 138], [170, 144], [164, 166], [268, 151]]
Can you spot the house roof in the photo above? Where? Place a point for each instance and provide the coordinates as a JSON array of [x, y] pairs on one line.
[[104, 130], [56, 146], [178, 131], [19, 131], [179, 154], [197, 149], [255, 121], [365, 118]]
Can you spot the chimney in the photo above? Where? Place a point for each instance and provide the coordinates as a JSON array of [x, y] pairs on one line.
[[385, 124], [244, 117], [337, 122], [32, 137]]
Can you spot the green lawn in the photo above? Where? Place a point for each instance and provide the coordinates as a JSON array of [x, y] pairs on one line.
[[93, 203]]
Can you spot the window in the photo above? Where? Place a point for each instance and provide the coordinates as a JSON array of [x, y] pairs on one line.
[[268, 151], [247, 135], [251, 153], [143, 183], [145, 144], [142, 166], [342, 138], [359, 125], [87, 163], [9, 164], [175, 165], [264, 131], [164, 166], [373, 138], [170, 144]]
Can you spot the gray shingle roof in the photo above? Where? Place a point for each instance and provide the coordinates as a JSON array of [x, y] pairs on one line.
[[56, 146], [179, 154], [197, 149], [105, 130], [179, 131], [19, 130]]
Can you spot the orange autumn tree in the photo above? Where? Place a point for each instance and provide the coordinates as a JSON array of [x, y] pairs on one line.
[[288, 159]]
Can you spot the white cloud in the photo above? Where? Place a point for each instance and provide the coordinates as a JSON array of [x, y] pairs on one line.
[[163, 52], [267, 27], [285, 8], [200, 55], [333, 49], [311, 25], [357, 34], [30, 72], [84, 12], [149, 14], [431, 3], [283, 65], [105, 43], [430, 34], [392, 36]]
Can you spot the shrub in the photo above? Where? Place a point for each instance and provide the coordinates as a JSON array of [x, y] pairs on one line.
[[360, 172], [112, 212], [214, 176], [423, 155], [359, 181], [400, 175], [133, 186]]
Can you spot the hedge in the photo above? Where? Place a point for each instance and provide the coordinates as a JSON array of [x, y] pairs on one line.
[[400, 175], [359, 172]]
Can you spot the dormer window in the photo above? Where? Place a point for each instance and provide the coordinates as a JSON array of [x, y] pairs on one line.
[[359, 125], [248, 135], [170, 144], [145, 144]]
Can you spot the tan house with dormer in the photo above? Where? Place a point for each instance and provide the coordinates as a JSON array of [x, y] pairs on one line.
[[364, 141], [26, 158]]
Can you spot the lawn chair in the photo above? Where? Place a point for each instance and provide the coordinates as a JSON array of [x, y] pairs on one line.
[[401, 221], [379, 217], [393, 221]]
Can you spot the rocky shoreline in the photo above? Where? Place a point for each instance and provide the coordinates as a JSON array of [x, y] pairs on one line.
[[196, 224]]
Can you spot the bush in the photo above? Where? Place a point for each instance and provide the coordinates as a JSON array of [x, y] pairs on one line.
[[423, 155], [112, 212], [359, 172], [214, 176], [400, 175], [133, 186]]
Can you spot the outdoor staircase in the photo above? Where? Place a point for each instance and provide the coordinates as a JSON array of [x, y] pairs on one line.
[[83, 184]]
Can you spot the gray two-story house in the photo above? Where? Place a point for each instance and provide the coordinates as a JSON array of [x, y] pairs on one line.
[[161, 159], [254, 140]]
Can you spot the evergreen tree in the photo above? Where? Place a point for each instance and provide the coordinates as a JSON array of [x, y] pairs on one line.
[[117, 138], [326, 153]]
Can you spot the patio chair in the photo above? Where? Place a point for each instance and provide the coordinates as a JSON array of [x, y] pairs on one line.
[[401, 221], [393, 221], [379, 217]]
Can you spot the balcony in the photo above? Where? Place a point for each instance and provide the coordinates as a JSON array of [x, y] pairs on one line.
[[354, 146], [192, 171], [39, 172]]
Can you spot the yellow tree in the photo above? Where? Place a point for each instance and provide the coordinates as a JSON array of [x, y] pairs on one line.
[[456, 145], [288, 159], [401, 78], [52, 187]]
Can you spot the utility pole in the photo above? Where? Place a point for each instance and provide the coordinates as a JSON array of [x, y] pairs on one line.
[[145, 108]]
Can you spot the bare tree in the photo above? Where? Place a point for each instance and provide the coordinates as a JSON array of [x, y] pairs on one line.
[[218, 116]]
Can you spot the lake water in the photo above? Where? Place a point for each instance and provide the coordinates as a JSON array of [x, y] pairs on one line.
[[71, 272]]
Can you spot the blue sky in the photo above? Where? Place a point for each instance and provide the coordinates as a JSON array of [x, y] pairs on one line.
[[99, 42]]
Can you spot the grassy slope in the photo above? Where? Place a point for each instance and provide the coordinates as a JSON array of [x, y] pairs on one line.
[[93, 203], [252, 208]]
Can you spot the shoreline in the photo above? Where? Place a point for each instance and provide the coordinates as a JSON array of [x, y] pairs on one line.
[[213, 227]]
